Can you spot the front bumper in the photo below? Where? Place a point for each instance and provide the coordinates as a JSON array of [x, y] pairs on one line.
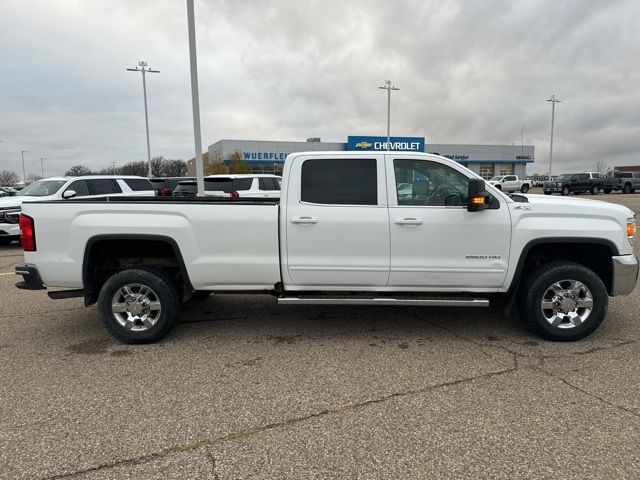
[[31, 279], [625, 274]]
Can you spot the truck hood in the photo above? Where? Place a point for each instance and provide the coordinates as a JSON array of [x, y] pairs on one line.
[[579, 207]]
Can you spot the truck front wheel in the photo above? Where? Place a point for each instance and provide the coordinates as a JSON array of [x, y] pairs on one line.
[[565, 190], [563, 301], [524, 188], [139, 305]]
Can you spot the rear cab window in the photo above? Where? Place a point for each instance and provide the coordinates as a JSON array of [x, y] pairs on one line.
[[339, 181]]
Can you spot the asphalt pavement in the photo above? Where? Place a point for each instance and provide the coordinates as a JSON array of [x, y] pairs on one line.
[[243, 388]]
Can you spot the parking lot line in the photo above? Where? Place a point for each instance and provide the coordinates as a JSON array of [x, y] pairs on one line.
[[7, 273]]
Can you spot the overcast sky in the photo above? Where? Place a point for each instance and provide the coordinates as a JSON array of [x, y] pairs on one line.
[[468, 72]]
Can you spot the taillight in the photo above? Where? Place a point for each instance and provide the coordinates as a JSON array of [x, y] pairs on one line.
[[164, 192], [27, 233], [233, 194]]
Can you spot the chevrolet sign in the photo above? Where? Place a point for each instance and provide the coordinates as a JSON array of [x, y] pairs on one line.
[[403, 144]]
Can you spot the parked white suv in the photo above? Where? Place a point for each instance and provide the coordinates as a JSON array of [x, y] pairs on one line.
[[251, 185], [59, 188]]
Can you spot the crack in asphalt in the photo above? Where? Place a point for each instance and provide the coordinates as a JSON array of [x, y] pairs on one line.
[[271, 426]]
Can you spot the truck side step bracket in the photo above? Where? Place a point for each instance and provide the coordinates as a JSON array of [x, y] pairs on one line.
[[431, 301]]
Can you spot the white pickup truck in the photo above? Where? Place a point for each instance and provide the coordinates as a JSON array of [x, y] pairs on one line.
[[340, 234], [510, 183]]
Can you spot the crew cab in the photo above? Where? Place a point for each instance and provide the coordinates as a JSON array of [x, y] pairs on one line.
[[510, 183], [64, 188], [588, 182], [339, 235], [627, 182]]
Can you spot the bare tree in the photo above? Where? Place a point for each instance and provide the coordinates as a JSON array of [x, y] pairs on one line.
[[158, 167], [175, 168], [8, 178], [601, 167], [33, 177], [134, 168], [238, 165], [77, 171]]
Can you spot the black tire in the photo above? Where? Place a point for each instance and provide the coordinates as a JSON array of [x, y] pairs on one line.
[[532, 291], [595, 190], [626, 189], [565, 190], [161, 286], [547, 193], [607, 191], [524, 188]]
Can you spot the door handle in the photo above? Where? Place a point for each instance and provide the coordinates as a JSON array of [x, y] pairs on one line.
[[304, 220], [408, 221]]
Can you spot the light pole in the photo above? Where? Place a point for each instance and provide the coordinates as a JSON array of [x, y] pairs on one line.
[[195, 99], [24, 175], [553, 101], [142, 67], [42, 159], [522, 139], [388, 87], [113, 167]]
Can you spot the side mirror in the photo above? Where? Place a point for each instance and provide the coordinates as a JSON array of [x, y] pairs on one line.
[[476, 195], [69, 194]]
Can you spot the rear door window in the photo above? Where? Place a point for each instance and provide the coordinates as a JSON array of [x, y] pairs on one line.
[[242, 183], [138, 184], [103, 186], [80, 187], [340, 181], [268, 183]]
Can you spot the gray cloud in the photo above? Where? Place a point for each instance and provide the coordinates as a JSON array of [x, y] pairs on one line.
[[468, 71]]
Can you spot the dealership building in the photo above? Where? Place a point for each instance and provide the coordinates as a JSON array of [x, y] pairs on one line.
[[269, 156]]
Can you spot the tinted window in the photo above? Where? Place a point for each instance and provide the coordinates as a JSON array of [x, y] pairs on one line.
[[268, 183], [218, 184], [242, 183], [138, 184], [422, 182], [80, 187], [340, 182], [185, 189], [583, 176], [622, 175], [511, 179], [103, 186]]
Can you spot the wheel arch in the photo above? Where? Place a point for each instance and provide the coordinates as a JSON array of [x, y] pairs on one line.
[[591, 252], [166, 246]]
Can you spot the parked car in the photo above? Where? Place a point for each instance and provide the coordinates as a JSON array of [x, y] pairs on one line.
[[577, 183], [64, 188], [510, 183], [164, 186], [627, 182], [7, 191], [253, 185], [234, 186], [339, 235]]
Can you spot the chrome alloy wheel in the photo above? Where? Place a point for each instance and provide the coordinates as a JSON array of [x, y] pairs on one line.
[[567, 304], [136, 307]]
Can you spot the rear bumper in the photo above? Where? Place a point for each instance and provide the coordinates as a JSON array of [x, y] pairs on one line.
[[625, 274], [31, 279]]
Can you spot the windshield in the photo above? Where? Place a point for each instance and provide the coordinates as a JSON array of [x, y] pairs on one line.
[[495, 179], [41, 188]]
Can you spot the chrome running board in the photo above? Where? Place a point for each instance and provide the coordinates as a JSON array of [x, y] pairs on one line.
[[397, 301]]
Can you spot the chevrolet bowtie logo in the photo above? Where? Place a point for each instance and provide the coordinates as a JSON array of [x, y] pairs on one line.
[[364, 145]]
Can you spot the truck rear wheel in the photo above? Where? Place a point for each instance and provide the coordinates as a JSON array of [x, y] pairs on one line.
[[139, 305], [565, 190], [626, 188], [563, 301], [595, 190]]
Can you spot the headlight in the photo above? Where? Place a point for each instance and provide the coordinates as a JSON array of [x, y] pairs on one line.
[[631, 229]]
